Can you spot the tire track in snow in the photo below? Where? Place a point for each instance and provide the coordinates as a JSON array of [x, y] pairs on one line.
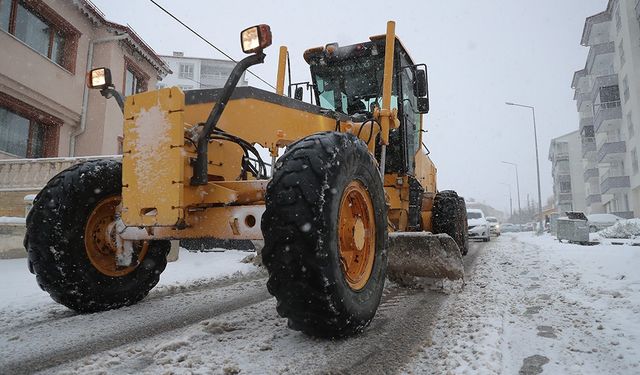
[[397, 333], [56, 312], [47, 344]]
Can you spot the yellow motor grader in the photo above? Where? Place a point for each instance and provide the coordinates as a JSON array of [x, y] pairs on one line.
[[350, 189]]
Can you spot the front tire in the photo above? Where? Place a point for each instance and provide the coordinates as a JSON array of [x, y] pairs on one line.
[[325, 233], [69, 248]]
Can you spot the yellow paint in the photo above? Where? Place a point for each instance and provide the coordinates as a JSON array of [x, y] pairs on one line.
[[152, 163], [282, 66], [156, 175], [387, 82]]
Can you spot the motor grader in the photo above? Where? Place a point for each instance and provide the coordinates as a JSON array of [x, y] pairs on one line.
[[350, 188]]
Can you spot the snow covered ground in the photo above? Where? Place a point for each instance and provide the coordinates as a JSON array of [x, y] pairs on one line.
[[21, 299], [534, 305]]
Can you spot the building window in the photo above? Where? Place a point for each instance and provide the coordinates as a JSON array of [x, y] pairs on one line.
[[565, 187], [630, 126], [135, 80], [621, 52], [634, 161], [26, 132], [186, 71], [42, 29]]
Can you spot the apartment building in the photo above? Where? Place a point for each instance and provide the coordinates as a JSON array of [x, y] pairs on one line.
[[46, 111], [47, 48], [198, 73], [607, 94], [565, 154]]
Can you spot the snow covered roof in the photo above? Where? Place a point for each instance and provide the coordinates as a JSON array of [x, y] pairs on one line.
[[132, 38]]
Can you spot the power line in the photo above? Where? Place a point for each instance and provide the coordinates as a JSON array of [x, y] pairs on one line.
[[208, 42]]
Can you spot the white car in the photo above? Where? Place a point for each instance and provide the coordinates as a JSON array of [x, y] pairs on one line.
[[598, 222], [478, 225], [494, 226]]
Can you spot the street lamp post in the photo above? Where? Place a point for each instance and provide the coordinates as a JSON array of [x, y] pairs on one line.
[[510, 200], [517, 186], [535, 138]]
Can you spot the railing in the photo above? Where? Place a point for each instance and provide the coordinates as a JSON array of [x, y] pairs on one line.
[[606, 111], [33, 174], [607, 148], [613, 182]]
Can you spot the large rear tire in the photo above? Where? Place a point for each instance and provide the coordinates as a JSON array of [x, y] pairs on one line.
[[70, 248], [325, 233], [450, 217]]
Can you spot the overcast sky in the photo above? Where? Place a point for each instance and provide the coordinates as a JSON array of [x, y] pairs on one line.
[[479, 53]]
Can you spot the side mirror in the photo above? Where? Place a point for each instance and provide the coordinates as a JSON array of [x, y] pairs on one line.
[[423, 105], [420, 83], [99, 78], [255, 39], [298, 94]]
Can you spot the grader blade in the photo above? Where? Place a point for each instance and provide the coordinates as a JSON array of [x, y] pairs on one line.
[[416, 256]]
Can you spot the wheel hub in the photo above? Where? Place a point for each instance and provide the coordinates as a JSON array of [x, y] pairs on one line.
[[356, 235], [108, 253]]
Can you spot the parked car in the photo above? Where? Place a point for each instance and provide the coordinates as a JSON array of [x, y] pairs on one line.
[[494, 226], [508, 227], [598, 222], [478, 225], [528, 227]]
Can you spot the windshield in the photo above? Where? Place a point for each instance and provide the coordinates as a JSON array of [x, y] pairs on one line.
[[492, 220], [352, 85], [474, 215]]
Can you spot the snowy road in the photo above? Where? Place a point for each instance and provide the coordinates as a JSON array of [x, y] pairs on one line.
[[530, 306], [214, 327]]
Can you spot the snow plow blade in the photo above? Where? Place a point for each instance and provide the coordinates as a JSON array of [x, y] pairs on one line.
[[418, 256]]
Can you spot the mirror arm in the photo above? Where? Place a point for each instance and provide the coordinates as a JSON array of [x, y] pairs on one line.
[[200, 167], [110, 92]]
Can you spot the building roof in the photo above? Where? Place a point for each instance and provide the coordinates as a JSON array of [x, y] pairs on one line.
[[225, 61], [132, 38]]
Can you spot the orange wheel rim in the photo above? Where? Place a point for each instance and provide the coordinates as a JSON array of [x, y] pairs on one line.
[[357, 235], [101, 244]]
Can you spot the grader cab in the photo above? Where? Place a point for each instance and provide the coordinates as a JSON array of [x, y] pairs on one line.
[[350, 189]]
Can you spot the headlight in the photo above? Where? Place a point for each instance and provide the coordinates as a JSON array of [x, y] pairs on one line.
[[255, 38], [99, 78]]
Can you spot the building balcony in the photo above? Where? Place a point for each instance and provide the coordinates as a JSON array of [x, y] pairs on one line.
[[614, 184], [611, 151], [585, 122], [565, 198], [605, 112], [593, 198], [588, 145], [590, 173]]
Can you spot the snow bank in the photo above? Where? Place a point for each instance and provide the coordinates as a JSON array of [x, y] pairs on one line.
[[622, 229], [21, 299], [12, 220], [534, 305]]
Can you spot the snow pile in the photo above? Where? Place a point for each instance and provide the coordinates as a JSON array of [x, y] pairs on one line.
[[12, 220], [623, 229]]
